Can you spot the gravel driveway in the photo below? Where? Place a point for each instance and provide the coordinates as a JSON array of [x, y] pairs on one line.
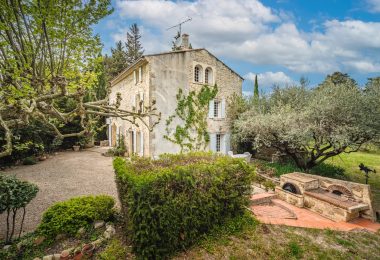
[[65, 175]]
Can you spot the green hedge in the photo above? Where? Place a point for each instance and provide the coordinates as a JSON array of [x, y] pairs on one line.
[[69, 216], [169, 203]]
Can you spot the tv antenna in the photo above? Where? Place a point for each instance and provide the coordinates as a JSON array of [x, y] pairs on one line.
[[179, 32], [180, 25]]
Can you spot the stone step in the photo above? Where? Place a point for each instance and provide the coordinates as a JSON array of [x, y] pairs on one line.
[[262, 198]]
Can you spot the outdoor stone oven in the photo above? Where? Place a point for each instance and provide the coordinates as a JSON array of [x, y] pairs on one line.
[[334, 199]]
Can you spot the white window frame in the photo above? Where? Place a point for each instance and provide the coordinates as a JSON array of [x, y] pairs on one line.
[[208, 73], [216, 112], [218, 142]]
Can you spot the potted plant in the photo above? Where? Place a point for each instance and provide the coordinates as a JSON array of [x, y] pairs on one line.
[[76, 147], [88, 250]]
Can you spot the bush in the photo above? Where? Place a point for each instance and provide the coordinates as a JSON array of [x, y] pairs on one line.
[[171, 202], [14, 195], [31, 160], [114, 251], [68, 216]]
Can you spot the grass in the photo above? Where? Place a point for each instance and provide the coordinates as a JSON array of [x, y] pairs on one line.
[[260, 241]]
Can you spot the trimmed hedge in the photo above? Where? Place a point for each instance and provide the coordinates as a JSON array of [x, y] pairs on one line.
[[69, 216], [171, 202]]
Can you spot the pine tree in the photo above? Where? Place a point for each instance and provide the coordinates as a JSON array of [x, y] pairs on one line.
[[117, 61], [256, 89], [133, 45]]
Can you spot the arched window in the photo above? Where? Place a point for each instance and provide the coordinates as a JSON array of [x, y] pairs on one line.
[[208, 76], [198, 73], [290, 187]]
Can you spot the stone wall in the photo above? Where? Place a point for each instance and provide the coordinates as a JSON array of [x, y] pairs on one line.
[[360, 192], [291, 198]]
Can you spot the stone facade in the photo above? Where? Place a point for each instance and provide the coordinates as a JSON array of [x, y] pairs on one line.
[[162, 75]]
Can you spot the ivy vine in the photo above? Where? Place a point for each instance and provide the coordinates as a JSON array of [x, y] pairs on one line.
[[192, 110]]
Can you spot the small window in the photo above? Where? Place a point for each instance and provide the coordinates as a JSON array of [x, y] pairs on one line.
[[198, 73], [216, 108], [218, 142], [208, 76]]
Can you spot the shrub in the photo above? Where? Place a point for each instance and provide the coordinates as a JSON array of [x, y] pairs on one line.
[[68, 216], [114, 251], [31, 160], [14, 195], [171, 202]]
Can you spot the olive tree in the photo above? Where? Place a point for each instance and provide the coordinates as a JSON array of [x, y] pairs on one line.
[[48, 54], [313, 125]]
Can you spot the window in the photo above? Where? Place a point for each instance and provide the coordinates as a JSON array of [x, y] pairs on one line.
[[208, 76], [198, 73], [218, 142], [135, 76], [216, 108]]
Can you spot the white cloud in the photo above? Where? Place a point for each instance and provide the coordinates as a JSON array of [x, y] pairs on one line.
[[250, 31], [269, 78], [374, 6]]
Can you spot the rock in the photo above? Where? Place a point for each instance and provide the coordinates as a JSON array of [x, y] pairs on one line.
[[47, 257], [81, 231], [57, 256], [99, 224], [98, 242], [38, 241], [110, 231], [37, 258], [65, 253], [6, 247]]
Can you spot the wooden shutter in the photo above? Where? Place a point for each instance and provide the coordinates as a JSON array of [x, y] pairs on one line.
[[227, 143], [213, 142], [140, 74], [134, 77], [211, 109], [141, 143], [223, 108]]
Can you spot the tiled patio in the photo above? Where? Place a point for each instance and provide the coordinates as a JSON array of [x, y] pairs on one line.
[[277, 213]]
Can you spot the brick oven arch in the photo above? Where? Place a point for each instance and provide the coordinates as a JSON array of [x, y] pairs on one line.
[[339, 189], [291, 187]]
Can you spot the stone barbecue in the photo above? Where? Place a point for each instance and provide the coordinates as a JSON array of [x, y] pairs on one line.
[[334, 199]]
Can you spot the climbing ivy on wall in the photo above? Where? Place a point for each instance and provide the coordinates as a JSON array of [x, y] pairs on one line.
[[192, 109]]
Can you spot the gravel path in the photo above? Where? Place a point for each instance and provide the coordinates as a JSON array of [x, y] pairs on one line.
[[66, 175]]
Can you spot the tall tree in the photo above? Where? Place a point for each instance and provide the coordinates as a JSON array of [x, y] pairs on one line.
[[48, 54], [256, 89], [117, 62], [133, 45]]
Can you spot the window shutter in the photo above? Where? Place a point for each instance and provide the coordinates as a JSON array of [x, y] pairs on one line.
[[134, 77], [211, 109], [223, 108], [213, 142], [140, 74], [141, 143], [227, 143], [134, 141]]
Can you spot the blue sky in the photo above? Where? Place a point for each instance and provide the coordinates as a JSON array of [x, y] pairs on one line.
[[279, 40]]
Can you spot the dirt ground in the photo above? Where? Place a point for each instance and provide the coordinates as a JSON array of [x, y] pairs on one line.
[[65, 175]]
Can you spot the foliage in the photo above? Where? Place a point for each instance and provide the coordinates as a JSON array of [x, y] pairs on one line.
[[192, 109], [133, 45], [170, 202], [313, 125], [49, 55], [69, 216], [114, 251], [31, 160], [117, 61], [120, 149], [256, 90], [14, 195]]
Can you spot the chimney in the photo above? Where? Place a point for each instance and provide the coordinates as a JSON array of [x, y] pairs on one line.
[[185, 42]]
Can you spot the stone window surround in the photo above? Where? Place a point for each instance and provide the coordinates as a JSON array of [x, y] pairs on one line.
[[204, 66]]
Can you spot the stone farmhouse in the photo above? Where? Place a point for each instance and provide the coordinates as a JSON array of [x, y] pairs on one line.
[[159, 77]]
